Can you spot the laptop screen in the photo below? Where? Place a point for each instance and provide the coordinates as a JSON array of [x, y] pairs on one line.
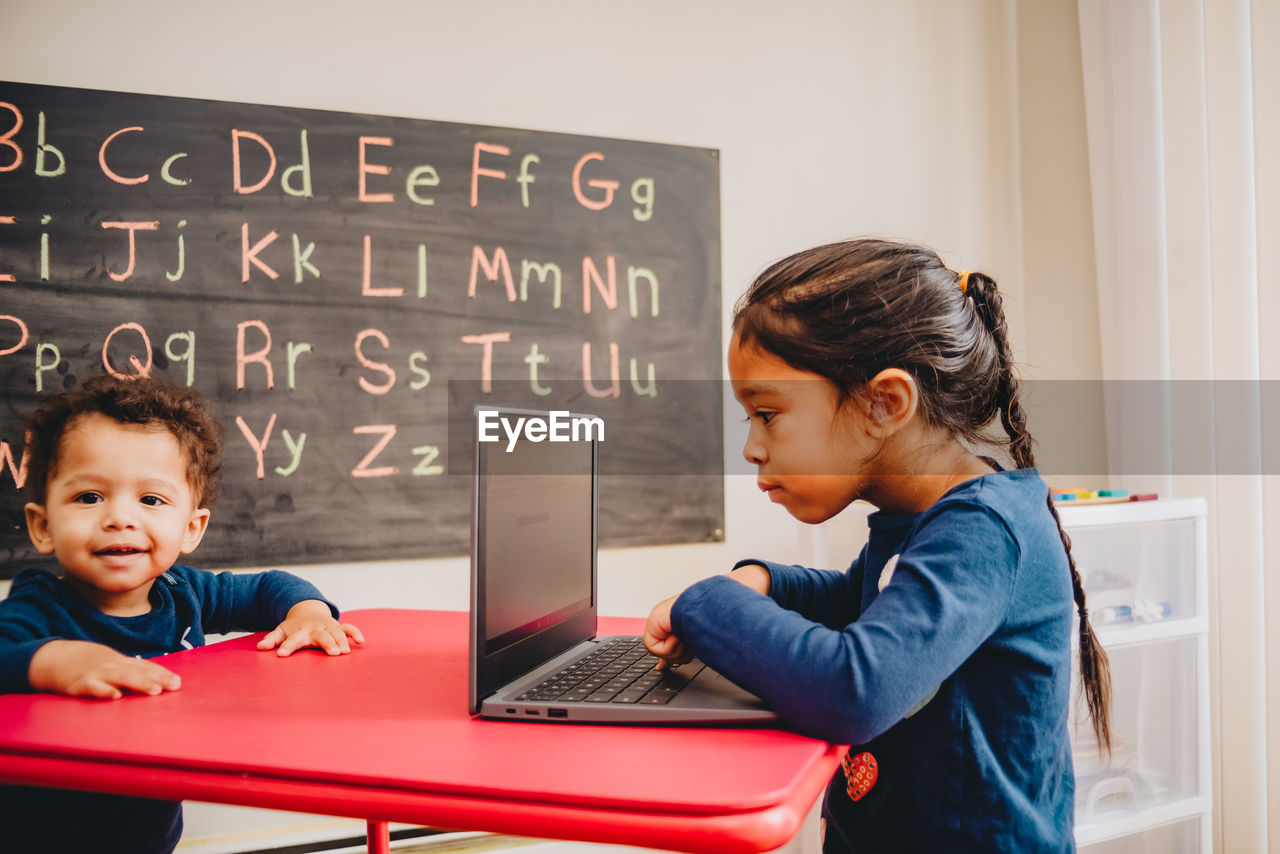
[[538, 536], [533, 546]]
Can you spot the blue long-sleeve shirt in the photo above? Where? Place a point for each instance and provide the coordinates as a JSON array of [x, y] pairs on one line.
[[185, 604], [979, 609]]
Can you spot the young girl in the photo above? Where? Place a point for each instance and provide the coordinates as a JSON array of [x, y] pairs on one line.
[[868, 370]]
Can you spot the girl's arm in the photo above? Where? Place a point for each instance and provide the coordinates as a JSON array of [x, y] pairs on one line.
[[825, 596], [949, 593], [822, 595]]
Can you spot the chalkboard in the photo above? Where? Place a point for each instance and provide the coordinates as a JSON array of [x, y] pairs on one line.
[[348, 287]]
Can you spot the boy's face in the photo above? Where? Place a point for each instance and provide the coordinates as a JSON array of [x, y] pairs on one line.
[[118, 511]]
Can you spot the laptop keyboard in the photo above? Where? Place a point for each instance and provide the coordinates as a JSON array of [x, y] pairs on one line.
[[620, 671]]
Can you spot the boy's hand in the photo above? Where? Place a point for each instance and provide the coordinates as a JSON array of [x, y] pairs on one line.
[[84, 669], [659, 640], [309, 623]]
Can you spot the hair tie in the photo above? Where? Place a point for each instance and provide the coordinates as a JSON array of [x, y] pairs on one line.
[[964, 280], [1084, 614]]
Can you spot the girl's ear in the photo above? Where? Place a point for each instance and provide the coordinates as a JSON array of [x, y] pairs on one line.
[[38, 528], [893, 399]]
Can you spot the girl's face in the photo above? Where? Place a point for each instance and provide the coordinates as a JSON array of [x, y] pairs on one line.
[[812, 456], [118, 511]]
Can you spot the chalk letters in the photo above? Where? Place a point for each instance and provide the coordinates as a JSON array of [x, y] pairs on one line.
[[486, 360], [362, 469], [302, 260], [131, 227], [19, 471], [237, 181], [608, 186], [302, 169], [8, 220], [182, 255], [43, 150], [477, 171], [373, 169], [366, 287], [166, 171], [140, 368], [260, 356], [259, 445], [615, 384], [380, 367], [394, 270], [525, 178], [426, 466], [187, 354], [6, 138], [591, 276], [42, 349], [295, 452], [23, 333], [492, 269], [250, 255], [106, 170]]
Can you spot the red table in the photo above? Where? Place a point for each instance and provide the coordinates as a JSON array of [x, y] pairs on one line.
[[383, 734]]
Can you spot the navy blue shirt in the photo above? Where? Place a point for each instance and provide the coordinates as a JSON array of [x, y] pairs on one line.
[[185, 604], [955, 676]]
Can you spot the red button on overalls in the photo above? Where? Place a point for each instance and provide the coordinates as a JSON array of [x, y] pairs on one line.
[[860, 774]]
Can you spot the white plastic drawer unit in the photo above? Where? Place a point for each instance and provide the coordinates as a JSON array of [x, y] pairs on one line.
[[1182, 837], [1144, 568], [1138, 575], [1154, 728]]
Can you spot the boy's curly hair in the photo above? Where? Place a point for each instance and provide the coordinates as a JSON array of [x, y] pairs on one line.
[[184, 412]]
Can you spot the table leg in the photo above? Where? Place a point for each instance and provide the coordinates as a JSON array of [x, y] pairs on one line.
[[379, 837]]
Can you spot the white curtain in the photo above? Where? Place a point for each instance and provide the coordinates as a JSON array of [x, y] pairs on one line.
[[1182, 101]]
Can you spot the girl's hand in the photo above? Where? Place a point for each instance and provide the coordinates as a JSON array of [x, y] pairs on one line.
[[659, 640], [84, 669], [309, 623]]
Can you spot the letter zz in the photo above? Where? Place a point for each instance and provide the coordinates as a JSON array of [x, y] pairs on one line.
[[362, 469]]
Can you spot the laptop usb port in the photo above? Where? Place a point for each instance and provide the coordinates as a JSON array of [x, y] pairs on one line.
[[530, 711], [557, 713]]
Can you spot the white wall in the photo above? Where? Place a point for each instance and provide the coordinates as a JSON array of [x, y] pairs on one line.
[[833, 117]]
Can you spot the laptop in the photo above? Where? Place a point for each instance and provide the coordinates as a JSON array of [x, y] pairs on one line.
[[534, 646]]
